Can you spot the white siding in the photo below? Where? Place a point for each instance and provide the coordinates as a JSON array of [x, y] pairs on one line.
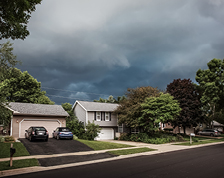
[[112, 123]]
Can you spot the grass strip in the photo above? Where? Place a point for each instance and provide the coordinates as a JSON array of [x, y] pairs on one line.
[[131, 151], [201, 142], [18, 164], [97, 145], [5, 150]]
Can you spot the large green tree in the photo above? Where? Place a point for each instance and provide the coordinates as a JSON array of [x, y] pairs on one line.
[[155, 110], [22, 87], [14, 17], [211, 84], [186, 93], [129, 110], [7, 62]]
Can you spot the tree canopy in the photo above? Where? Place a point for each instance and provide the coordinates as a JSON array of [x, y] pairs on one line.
[[111, 99], [129, 110], [155, 110], [22, 87], [211, 84], [185, 92], [14, 17], [7, 59]]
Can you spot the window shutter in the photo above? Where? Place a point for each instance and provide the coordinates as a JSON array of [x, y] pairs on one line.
[[95, 116], [110, 116], [101, 116]]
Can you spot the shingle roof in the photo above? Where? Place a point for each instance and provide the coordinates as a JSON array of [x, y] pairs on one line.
[[37, 109], [96, 106]]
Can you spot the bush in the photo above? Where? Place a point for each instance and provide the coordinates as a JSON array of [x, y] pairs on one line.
[[9, 139], [124, 136], [2, 139], [156, 138], [92, 130]]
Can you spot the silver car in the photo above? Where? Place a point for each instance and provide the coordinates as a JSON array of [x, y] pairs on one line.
[[209, 132]]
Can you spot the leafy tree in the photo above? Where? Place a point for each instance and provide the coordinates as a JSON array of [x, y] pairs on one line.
[[189, 99], [8, 61], [211, 83], [76, 126], [111, 99], [155, 110], [14, 17], [129, 110], [22, 87]]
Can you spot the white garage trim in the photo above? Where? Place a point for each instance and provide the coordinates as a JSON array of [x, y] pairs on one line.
[[51, 120]]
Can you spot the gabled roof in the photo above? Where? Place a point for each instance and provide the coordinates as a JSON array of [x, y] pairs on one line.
[[37, 109], [96, 106], [215, 123]]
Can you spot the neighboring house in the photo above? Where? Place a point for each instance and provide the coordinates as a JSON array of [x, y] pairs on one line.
[[27, 114], [101, 114]]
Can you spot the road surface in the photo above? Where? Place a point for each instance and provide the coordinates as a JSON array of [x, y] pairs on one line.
[[203, 162]]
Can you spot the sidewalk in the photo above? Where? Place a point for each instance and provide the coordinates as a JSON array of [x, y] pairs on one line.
[[161, 148]]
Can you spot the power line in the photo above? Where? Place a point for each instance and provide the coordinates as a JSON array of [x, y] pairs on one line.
[[67, 97]]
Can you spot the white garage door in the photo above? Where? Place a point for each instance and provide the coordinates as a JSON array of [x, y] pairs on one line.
[[106, 134], [50, 125]]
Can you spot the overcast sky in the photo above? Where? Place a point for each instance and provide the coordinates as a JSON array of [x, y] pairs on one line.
[[98, 48]]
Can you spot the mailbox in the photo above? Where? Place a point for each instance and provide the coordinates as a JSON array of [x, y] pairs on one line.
[[12, 151], [192, 135]]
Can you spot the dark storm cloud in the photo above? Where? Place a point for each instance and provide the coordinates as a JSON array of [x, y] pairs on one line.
[[101, 48]]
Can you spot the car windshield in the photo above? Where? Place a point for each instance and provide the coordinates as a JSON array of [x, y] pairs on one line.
[[39, 128], [63, 129]]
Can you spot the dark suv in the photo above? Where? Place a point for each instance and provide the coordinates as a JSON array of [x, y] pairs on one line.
[[36, 132]]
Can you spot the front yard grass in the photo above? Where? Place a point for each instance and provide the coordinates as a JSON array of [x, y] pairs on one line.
[[213, 140], [131, 151], [18, 164], [5, 150], [96, 145]]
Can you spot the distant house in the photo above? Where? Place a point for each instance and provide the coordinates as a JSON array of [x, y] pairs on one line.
[[25, 115], [101, 114]]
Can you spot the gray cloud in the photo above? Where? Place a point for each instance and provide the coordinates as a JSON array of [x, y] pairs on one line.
[[105, 47]]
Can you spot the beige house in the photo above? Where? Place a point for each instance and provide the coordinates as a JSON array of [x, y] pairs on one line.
[[26, 115]]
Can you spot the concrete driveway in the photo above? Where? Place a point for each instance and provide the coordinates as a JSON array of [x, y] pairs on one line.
[[53, 146]]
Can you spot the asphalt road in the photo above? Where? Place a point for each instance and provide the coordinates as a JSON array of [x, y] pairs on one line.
[[193, 163], [53, 146]]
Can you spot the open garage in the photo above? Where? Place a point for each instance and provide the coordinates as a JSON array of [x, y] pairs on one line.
[[26, 115]]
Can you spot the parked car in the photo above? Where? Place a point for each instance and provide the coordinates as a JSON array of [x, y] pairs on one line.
[[209, 132], [62, 132], [36, 132]]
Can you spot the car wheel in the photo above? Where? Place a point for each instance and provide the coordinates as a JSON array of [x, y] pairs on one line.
[[212, 135], [58, 137]]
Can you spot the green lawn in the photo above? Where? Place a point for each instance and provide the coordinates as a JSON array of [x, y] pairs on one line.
[[213, 140], [97, 145], [18, 164], [131, 151], [5, 150]]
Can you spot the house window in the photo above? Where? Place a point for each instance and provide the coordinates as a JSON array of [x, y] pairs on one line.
[[134, 130], [107, 116], [120, 128], [98, 116]]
